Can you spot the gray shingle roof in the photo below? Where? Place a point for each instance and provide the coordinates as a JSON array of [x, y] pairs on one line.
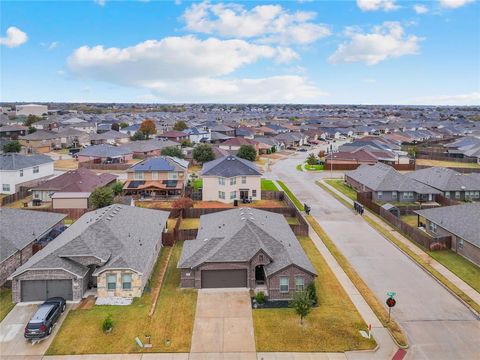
[[229, 166], [445, 179], [20, 227], [161, 163], [461, 220], [237, 235], [120, 236], [104, 151], [13, 161]]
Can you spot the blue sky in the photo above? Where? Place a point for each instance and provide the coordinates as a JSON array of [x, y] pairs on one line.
[[344, 52]]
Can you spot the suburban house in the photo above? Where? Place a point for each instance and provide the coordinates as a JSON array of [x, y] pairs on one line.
[[111, 137], [148, 148], [105, 154], [223, 129], [110, 251], [71, 190], [388, 185], [162, 176], [235, 143], [230, 178], [21, 230], [464, 148], [70, 137], [461, 222], [12, 131], [177, 136], [21, 170], [246, 248], [198, 135], [450, 183], [41, 141]]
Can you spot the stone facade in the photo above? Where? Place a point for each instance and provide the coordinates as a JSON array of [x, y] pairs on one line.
[[135, 290], [8, 266]]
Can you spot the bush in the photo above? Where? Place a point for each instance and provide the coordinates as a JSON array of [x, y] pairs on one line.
[[312, 293], [182, 203], [203, 153], [101, 197], [107, 324], [247, 152], [12, 146], [117, 188], [311, 159], [172, 151], [260, 297]]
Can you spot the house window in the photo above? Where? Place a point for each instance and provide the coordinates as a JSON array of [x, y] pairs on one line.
[[21, 173], [127, 281], [221, 181], [447, 194], [457, 194], [221, 195], [460, 243], [233, 195], [111, 282], [6, 187], [138, 175], [394, 194], [299, 283], [254, 193], [432, 227], [172, 176], [154, 175], [284, 284], [244, 179], [477, 194], [35, 170], [36, 195], [233, 181], [379, 194]]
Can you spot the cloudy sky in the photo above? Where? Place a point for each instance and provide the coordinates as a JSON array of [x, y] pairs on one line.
[[340, 52]]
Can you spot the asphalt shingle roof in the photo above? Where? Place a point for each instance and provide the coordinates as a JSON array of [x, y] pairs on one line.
[[104, 151], [445, 179], [229, 166], [161, 163], [14, 161]]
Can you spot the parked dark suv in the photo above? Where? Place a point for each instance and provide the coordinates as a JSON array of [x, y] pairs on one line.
[[45, 318]]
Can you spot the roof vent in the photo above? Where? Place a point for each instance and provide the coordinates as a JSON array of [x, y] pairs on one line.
[[206, 239]]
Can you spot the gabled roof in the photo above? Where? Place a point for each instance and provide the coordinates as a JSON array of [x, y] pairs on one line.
[[20, 227], [237, 235], [41, 135], [80, 180], [148, 145], [161, 163], [104, 151], [229, 166], [14, 161], [120, 236], [109, 135], [445, 179]]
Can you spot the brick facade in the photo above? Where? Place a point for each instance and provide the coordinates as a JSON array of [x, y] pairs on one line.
[[8, 266]]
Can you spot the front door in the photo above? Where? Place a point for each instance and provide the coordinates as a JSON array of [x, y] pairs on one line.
[[243, 194], [259, 274]]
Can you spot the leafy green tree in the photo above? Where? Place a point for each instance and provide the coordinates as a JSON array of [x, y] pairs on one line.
[[137, 136], [123, 125], [101, 197], [186, 143], [411, 151], [172, 151], [180, 126], [31, 119], [203, 153], [117, 188], [247, 152], [12, 147], [273, 149], [312, 293], [31, 130], [302, 305], [311, 159]]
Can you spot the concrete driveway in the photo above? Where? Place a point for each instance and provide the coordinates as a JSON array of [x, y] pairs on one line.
[[223, 324], [12, 327]]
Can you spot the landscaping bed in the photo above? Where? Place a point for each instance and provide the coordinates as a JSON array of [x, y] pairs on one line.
[[270, 304], [332, 326], [170, 326]]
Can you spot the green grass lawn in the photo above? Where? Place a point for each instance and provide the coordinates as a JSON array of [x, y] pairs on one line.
[[333, 326], [292, 197], [170, 327], [411, 220], [6, 303], [189, 223], [299, 167], [314, 167], [197, 184], [340, 185], [268, 185]]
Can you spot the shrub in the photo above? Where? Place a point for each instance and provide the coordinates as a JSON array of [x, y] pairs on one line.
[[107, 324], [312, 293], [12, 146], [260, 297], [302, 305], [101, 197], [247, 152], [117, 188], [172, 151]]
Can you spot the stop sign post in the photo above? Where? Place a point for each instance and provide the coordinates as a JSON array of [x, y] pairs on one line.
[[391, 302]]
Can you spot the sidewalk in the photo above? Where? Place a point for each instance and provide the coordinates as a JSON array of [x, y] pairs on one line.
[[462, 285]]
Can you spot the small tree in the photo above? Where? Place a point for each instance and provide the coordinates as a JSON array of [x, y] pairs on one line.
[[12, 147], [147, 128], [101, 197], [31, 130], [137, 136], [107, 324], [311, 159], [302, 305], [186, 143], [31, 119], [117, 188], [172, 151], [115, 126], [180, 126], [203, 153], [123, 125], [247, 152], [312, 293], [411, 151], [182, 203]]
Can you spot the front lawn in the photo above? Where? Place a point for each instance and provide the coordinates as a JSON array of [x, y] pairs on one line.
[[268, 185], [340, 185], [292, 197], [333, 326], [314, 167], [189, 223], [170, 327], [6, 303]]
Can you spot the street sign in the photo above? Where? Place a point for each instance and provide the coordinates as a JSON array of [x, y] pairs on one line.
[[391, 294], [391, 302]]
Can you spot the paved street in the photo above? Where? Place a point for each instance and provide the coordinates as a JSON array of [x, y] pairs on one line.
[[438, 326]]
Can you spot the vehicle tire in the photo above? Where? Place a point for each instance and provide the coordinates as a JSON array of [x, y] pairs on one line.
[[63, 307]]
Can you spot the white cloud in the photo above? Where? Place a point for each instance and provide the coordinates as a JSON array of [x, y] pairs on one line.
[[14, 37], [266, 23], [453, 4], [374, 5], [386, 41], [462, 99], [50, 46], [190, 69], [420, 9], [100, 2]]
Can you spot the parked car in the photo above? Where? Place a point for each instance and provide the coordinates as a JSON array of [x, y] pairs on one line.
[[302, 150], [45, 318]]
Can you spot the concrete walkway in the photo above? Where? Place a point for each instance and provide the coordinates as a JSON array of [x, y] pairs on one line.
[[462, 285]]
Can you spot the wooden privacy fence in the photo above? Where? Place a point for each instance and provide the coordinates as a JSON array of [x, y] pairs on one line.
[[273, 195], [442, 157], [73, 214], [22, 192]]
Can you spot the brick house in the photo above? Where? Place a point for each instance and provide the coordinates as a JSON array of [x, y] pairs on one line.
[[21, 230], [246, 248], [110, 252]]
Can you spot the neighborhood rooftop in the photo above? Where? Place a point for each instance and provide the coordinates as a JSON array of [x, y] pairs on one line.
[[229, 166]]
